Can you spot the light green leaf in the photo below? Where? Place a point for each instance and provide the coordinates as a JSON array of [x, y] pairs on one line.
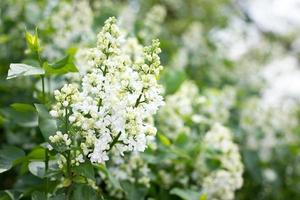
[[47, 124], [186, 194], [37, 168], [62, 66], [23, 107], [164, 139], [37, 154], [32, 41], [20, 69], [86, 170], [172, 80], [8, 157]]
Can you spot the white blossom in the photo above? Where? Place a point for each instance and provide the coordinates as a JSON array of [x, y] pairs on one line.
[[221, 183], [117, 97]]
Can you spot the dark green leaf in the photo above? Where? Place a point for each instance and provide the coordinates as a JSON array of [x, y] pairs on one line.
[[112, 179], [47, 124], [186, 194], [58, 197], [8, 157], [134, 192], [24, 117], [84, 192], [86, 170], [37, 195]]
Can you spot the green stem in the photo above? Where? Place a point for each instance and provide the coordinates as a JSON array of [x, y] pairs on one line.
[[115, 140], [46, 171], [43, 89], [46, 151], [69, 166]]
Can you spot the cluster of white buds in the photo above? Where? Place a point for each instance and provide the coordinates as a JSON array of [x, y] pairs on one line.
[[180, 108], [152, 23], [70, 23], [117, 98], [267, 128], [67, 96], [61, 142], [222, 182]]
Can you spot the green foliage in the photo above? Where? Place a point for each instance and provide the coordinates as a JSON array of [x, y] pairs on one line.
[[47, 124], [82, 191], [62, 66], [40, 64], [133, 192], [9, 157], [32, 41], [19, 69], [187, 194]]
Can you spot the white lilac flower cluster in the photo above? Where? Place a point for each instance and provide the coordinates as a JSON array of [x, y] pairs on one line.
[[188, 105], [266, 127], [192, 48], [220, 183], [237, 39], [179, 108], [218, 104], [60, 141], [152, 23], [70, 22], [117, 99]]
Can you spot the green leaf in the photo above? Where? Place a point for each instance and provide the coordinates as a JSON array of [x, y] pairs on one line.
[[181, 139], [8, 157], [112, 179], [2, 119], [37, 154], [4, 195], [203, 197], [186, 194], [86, 170], [37, 168], [172, 79], [20, 69], [10, 195], [62, 66], [47, 124], [22, 115], [37, 195], [133, 191], [32, 41], [22, 107], [58, 197], [84, 192], [164, 140], [180, 152]]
